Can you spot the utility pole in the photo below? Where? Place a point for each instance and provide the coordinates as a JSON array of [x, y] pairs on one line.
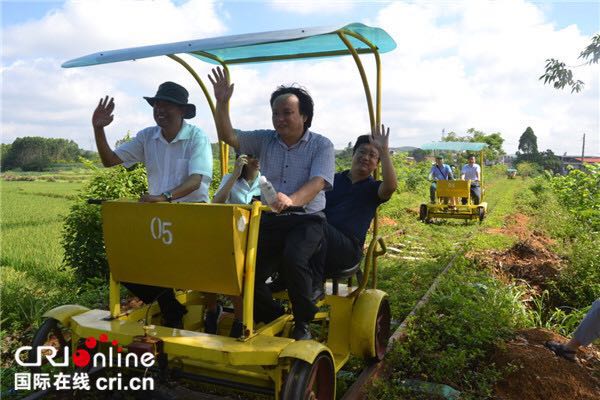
[[583, 149]]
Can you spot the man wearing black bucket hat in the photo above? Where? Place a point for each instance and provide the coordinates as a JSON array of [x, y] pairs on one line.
[[178, 159]]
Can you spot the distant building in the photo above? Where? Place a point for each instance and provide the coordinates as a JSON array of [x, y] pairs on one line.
[[575, 161]]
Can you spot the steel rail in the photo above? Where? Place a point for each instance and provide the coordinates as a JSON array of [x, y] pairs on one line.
[[379, 370]]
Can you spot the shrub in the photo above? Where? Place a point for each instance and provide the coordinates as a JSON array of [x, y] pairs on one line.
[[411, 175], [82, 237], [579, 192], [579, 285], [527, 169]]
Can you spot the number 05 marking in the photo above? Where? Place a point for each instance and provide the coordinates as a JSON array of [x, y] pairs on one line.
[[160, 230]]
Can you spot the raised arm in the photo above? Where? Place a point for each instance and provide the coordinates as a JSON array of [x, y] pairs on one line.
[[223, 193], [103, 117], [380, 139], [223, 91]]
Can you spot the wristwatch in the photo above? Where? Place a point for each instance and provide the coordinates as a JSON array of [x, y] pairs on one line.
[[168, 195]]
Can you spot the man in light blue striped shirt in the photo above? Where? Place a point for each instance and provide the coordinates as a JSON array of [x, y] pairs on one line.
[[300, 164], [439, 172]]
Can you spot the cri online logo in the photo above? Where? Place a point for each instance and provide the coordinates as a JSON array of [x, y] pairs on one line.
[[82, 357]]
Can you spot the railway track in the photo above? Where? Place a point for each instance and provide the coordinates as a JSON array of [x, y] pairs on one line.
[[367, 376]]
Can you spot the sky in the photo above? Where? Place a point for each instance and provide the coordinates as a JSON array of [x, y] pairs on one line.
[[457, 65]]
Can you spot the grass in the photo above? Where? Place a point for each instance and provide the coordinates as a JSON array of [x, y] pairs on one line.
[[448, 341], [31, 263], [452, 336]]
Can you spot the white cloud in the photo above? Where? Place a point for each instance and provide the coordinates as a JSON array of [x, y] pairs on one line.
[[82, 27], [457, 66], [476, 64], [306, 7], [42, 99]]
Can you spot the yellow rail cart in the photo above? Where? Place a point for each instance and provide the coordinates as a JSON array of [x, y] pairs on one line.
[[211, 248], [464, 206]]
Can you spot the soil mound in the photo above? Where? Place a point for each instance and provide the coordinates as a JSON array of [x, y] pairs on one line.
[[529, 259], [543, 375]]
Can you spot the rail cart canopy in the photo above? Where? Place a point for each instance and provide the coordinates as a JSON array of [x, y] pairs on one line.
[[454, 146], [255, 47]]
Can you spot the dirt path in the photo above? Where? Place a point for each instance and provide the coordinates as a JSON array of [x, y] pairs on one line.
[[544, 376], [530, 259], [539, 373]]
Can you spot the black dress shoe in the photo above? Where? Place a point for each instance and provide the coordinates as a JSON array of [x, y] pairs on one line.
[[211, 320], [318, 293], [237, 329], [301, 331]]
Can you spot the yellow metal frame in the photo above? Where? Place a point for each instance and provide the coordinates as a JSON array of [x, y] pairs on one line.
[[262, 356], [460, 211], [374, 110]]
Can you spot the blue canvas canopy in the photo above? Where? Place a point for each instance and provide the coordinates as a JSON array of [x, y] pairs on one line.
[[255, 47], [454, 146]]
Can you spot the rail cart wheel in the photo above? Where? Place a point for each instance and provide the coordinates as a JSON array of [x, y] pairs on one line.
[[314, 381], [481, 212], [50, 333], [382, 329], [423, 212]]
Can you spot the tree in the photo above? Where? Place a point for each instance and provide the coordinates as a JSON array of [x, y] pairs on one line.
[[419, 154], [550, 162], [528, 142], [29, 154], [4, 150], [560, 76], [494, 141], [37, 153]]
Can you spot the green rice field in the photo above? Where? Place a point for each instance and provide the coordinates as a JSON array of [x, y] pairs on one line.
[[32, 214]]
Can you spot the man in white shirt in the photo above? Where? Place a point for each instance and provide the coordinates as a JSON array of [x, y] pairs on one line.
[[178, 159], [472, 172]]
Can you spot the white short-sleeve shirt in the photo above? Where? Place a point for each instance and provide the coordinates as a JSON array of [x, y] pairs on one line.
[[471, 172], [169, 164], [241, 191]]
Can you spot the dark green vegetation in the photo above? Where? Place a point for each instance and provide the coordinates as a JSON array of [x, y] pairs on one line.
[[449, 341], [493, 140], [452, 339], [38, 153], [82, 232], [538, 161]]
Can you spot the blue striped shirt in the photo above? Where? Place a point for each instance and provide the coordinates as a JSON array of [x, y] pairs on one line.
[[442, 173], [289, 168]]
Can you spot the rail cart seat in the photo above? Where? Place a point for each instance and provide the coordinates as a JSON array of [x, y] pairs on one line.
[[454, 188], [185, 245]]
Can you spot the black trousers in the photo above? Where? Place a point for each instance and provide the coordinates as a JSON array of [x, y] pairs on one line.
[[475, 193], [286, 244], [171, 309], [339, 251]]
